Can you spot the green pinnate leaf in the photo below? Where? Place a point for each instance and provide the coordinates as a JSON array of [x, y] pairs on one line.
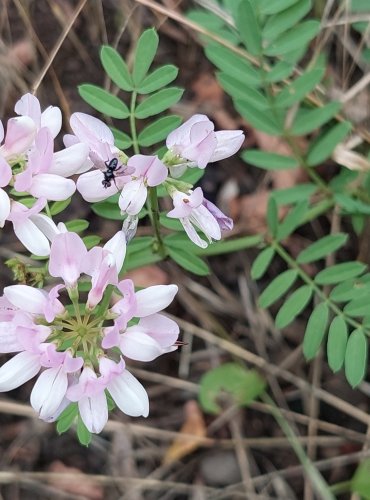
[[355, 361], [308, 120], [299, 88], [269, 161], [77, 225], [340, 272], [158, 130], [261, 121], [248, 26], [323, 147], [244, 386], [146, 49], [277, 288], [297, 37], [294, 194], [233, 64], [358, 307], [189, 261], [121, 139], [158, 78], [293, 306], [315, 330], [337, 343], [158, 102], [103, 101], [322, 248], [116, 68], [279, 72], [238, 90], [267, 7], [285, 19], [293, 220], [262, 262], [272, 216]]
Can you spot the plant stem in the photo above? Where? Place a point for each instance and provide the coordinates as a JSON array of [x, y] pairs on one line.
[[154, 216], [135, 144]]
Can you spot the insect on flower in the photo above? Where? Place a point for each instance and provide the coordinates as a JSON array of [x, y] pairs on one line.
[[110, 173]]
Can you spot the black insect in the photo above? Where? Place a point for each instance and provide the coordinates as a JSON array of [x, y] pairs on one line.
[[111, 172]]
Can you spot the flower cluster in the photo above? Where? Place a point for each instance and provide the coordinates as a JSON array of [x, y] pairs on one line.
[[192, 144], [28, 164], [80, 351]]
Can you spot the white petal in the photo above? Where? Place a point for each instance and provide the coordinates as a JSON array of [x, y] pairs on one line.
[[19, 370], [129, 395], [117, 245], [49, 391], [154, 299], [31, 237], [52, 187], [90, 129], [4, 207], [26, 298], [91, 188], [139, 346], [68, 161], [46, 225], [94, 412], [8, 338], [228, 143], [52, 119]]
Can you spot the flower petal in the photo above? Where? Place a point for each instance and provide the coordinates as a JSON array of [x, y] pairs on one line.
[[49, 391], [68, 161], [67, 255], [18, 370], [154, 299], [129, 395], [51, 118], [26, 298], [94, 412], [52, 187]]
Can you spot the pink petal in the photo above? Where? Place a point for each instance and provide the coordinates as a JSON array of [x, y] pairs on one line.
[[8, 338], [181, 134], [67, 255], [20, 134], [90, 129], [164, 330], [228, 143], [139, 346]]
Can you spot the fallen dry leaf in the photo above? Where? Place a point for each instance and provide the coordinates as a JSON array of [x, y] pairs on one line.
[[82, 485], [194, 424]]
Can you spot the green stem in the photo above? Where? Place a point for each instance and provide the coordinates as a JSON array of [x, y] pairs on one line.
[[135, 143], [154, 216]]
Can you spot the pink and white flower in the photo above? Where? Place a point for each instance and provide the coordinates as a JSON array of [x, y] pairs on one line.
[[148, 171], [196, 143], [195, 212]]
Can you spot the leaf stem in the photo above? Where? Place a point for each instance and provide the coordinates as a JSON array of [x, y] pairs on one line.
[[135, 143], [154, 217]]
